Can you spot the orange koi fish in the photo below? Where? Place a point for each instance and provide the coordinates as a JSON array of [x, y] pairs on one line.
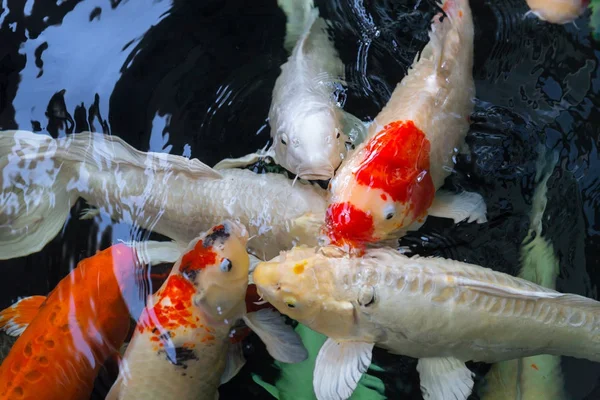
[[66, 337], [388, 185]]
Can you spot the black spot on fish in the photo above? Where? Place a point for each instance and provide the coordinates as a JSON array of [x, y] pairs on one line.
[[165, 335], [218, 233], [178, 356]]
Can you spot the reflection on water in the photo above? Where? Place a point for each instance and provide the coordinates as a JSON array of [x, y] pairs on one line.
[[195, 79]]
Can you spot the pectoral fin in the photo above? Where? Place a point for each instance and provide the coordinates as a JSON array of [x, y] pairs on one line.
[[242, 162], [235, 362], [154, 252], [339, 367], [354, 128], [15, 319], [459, 206], [239, 162], [282, 341], [444, 378]]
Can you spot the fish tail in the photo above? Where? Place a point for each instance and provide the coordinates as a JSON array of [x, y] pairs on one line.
[[15, 319], [451, 37], [34, 199], [299, 14]]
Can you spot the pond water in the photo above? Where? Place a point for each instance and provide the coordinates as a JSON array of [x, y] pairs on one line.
[[194, 78]]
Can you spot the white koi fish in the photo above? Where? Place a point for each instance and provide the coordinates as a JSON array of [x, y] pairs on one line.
[[181, 347], [441, 311], [311, 132], [41, 178], [557, 11], [389, 182]]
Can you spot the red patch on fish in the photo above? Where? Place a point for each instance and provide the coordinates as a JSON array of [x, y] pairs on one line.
[[535, 367], [180, 292], [345, 221], [397, 162], [198, 258]]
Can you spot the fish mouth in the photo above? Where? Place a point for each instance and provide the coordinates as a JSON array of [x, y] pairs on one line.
[[316, 173]]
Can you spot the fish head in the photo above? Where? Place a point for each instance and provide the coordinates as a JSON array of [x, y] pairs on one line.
[[313, 146], [301, 284], [218, 265], [362, 214], [558, 11], [385, 188]]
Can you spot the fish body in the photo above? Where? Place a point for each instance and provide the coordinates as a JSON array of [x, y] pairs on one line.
[[448, 308], [558, 11], [443, 312], [42, 178], [180, 346], [307, 124], [67, 336], [389, 181]]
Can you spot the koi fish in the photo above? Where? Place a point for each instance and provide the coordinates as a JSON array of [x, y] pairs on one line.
[[443, 312], [181, 348], [536, 377], [389, 182], [66, 337], [311, 133], [41, 179], [557, 11]]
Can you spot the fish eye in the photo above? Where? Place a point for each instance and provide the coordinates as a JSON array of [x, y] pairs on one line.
[[283, 142], [337, 136], [226, 265], [290, 302], [389, 211]]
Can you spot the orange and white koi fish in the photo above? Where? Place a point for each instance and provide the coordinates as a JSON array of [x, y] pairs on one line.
[[41, 178], [66, 337], [389, 183], [557, 11], [182, 345]]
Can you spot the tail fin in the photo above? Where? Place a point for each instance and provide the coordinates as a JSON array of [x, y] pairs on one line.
[[298, 13], [34, 200], [15, 319], [450, 35]]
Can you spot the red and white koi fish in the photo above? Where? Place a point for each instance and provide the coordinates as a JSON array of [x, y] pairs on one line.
[[557, 11], [182, 345], [66, 337], [389, 183], [41, 178]]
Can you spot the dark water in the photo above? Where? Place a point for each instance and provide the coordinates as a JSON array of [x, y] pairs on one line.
[[195, 78]]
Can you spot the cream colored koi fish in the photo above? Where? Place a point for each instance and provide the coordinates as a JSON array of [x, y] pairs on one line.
[[441, 311], [181, 348], [311, 133], [388, 184], [41, 178], [536, 377], [557, 11]]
